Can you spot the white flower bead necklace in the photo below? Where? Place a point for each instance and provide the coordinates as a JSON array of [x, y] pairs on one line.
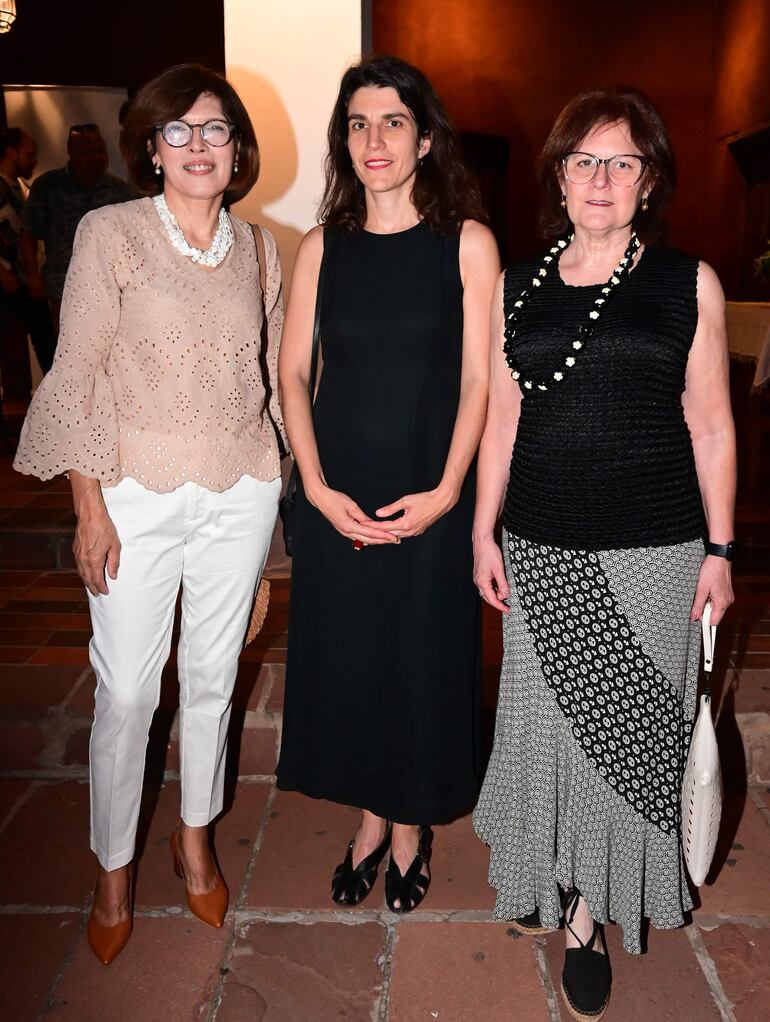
[[586, 330], [220, 244]]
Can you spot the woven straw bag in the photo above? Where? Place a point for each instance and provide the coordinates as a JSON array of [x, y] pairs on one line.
[[702, 784], [259, 613]]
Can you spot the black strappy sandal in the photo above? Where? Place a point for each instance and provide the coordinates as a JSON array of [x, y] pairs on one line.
[[412, 887], [587, 979], [350, 886]]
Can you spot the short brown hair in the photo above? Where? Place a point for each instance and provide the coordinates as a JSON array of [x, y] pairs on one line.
[[168, 97], [444, 193], [580, 116]]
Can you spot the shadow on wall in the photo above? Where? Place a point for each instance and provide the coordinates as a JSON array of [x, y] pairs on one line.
[[279, 160]]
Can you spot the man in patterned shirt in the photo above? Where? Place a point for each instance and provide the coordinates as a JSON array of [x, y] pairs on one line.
[[18, 157], [57, 202]]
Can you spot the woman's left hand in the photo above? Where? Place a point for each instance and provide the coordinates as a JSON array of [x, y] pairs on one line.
[[714, 584], [420, 511]]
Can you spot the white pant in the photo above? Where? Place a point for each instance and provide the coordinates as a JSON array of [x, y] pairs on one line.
[[216, 545]]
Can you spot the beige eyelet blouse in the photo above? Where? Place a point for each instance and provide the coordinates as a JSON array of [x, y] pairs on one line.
[[157, 371]]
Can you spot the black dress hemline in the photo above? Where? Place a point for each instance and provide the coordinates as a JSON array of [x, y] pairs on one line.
[[427, 816]]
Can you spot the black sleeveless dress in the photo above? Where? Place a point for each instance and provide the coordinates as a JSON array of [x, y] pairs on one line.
[[383, 664]]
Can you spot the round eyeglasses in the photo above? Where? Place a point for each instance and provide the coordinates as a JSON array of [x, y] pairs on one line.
[[624, 169], [178, 133]]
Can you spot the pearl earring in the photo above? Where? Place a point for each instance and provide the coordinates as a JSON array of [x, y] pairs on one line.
[[563, 202], [158, 168], [645, 204], [235, 167]]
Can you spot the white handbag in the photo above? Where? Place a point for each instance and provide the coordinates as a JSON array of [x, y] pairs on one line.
[[702, 784]]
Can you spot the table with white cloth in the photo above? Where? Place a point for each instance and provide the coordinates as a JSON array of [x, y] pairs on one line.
[[748, 338]]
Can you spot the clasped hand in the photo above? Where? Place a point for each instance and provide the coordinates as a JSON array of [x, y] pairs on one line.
[[418, 511]]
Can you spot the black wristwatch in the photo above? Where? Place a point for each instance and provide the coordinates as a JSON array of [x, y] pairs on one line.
[[726, 550]]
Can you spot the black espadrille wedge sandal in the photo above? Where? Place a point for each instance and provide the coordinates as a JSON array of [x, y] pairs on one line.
[[530, 924], [586, 979]]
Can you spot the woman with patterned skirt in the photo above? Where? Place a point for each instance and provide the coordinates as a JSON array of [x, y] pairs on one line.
[[609, 379]]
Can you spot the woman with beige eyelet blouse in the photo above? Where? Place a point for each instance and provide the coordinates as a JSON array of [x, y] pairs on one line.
[[157, 408]]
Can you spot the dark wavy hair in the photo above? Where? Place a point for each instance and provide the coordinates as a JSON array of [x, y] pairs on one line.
[[580, 116], [167, 97], [444, 192]]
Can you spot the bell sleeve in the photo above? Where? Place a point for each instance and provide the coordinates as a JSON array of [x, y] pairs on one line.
[[274, 315], [72, 422]]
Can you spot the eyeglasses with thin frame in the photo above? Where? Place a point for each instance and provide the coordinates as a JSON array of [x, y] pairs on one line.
[[624, 169], [216, 132]]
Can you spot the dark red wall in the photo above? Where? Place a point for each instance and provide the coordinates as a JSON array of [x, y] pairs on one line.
[[734, 231], [503, 67], [508, 67]]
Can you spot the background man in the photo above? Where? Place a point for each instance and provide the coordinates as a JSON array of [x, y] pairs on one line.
[[18, 158], [57, 202]]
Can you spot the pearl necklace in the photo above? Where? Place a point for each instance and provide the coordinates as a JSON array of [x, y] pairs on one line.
[[217, 250], [585, 331]]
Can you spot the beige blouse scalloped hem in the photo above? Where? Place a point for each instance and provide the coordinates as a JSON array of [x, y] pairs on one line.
[[158, 372]]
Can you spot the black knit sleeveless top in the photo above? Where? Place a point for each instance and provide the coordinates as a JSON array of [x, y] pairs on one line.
[[603, 459]]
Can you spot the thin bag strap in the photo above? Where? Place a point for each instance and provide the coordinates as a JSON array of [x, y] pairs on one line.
[[259, 241]]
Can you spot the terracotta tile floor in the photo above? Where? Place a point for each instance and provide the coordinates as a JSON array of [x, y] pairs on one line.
[[286, 954]]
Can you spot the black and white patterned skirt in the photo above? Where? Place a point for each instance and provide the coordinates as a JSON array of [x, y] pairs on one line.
[[597, 695]]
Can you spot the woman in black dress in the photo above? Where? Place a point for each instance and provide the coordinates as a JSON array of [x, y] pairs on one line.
[[610, 382], [382, 678]]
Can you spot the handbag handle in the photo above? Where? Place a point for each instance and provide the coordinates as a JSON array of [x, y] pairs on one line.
[[709, 632]]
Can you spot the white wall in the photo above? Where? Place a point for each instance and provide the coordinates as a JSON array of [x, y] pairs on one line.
[[286, 58]]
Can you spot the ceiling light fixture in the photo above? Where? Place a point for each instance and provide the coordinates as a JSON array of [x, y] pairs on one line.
[[7, 15]]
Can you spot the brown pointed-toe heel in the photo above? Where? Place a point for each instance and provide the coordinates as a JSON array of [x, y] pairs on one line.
[[107, 942], [210, 908]]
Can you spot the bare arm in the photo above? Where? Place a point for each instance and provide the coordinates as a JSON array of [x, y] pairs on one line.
[[293, 376], [273, 303], [706, 403], [479, 267], [493, 464]]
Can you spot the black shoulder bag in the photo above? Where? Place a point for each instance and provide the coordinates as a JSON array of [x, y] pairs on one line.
[[286, 505]]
